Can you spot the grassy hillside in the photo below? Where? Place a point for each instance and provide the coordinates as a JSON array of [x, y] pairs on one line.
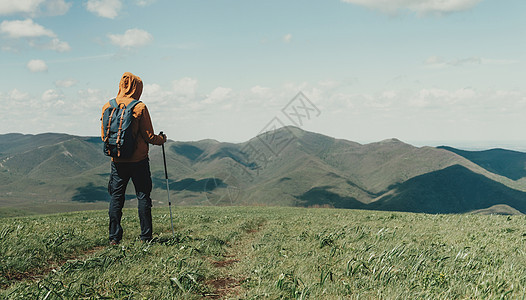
[[52, 173], [511, 164], [17, 143], [456, 189], [275, 253], [499, 209], [285, 167]]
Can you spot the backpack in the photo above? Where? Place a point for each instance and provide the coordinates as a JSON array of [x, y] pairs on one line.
[[118, 136]]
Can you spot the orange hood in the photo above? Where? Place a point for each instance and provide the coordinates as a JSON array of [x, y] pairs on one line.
[[130, 87]]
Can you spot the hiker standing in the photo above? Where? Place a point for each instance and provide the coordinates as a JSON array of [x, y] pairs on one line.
[[129, 164]]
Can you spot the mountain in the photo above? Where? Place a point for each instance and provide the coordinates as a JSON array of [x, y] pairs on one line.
[[16, 142], [286, 167], [454, 189], [511, 164], [499, 209]]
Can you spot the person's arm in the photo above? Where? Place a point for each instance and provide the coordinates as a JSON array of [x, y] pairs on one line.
[[146, 129]]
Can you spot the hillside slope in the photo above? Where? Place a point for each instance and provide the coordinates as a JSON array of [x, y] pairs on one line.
[[288, 166], [451, 190], [282, 253], [511, 164]]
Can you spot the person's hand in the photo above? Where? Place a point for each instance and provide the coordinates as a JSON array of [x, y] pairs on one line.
[[164, 136]]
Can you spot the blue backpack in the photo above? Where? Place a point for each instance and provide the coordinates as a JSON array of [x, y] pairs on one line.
[[118, 136]]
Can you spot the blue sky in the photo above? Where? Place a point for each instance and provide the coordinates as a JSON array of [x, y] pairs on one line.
[[423, 71]]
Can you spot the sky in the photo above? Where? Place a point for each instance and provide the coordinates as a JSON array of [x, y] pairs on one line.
[[427, 72]]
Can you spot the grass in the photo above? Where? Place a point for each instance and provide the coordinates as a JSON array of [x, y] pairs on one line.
[[6, 212], [266, 253]]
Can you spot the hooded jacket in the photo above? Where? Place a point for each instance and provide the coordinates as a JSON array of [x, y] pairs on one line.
[[130, 88]]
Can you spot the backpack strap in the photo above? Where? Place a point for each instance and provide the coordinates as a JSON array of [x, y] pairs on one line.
[[113, 103], [132, 104]]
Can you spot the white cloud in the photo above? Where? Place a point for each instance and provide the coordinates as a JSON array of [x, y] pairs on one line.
[[92, 99], [104, 8], [24, 29], [260, 91], [440, 62], [54, 44], [131, 38], [57, 7], [145, 2], [389, 95], [154, 93], [218, 95], [52, 99], [152, 89], [18, 95], [489, 61], [442, 6], [185, 87], [466, 61], [440, 99], [51, 95], [424, 113], [13, 101], [420, 7], [182, 93], [65, 83], [91, 95], [9, 48], [464, 94], [34, 7], [8, 7], [58, 45], [287, 38], [37, 65], [329, 84], [434, 61], [49, 104], [35, 33]]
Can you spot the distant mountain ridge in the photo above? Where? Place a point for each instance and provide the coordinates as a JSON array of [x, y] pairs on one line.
[[288, 166], [508, 163], [454, 189]]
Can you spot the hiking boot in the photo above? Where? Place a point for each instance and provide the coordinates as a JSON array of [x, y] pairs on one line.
[[113, 242]]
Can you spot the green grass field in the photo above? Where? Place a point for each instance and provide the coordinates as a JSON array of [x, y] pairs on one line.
[[265, 253]]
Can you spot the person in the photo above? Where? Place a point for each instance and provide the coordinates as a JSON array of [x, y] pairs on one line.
[[136, 167]]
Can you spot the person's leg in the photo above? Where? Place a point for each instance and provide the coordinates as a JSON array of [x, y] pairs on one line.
[[142, 181], [117, 189]]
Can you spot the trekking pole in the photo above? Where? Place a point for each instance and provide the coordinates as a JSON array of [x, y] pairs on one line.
[[168, 189]]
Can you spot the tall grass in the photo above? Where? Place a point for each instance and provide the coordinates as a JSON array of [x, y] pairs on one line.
[[253, 253]]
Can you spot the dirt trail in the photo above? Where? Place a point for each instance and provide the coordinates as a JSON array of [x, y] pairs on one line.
[[228, 284], [38, 273]]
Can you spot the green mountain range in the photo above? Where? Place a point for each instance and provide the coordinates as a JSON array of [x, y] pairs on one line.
[[511, 164], [286, 167]]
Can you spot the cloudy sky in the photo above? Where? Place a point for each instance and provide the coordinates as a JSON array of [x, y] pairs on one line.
[[423, 71]]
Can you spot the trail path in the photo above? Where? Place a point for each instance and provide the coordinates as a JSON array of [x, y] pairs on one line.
[[41, 272], [228, 284]]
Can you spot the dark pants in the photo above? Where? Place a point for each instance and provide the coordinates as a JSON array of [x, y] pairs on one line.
[[139, 172]]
